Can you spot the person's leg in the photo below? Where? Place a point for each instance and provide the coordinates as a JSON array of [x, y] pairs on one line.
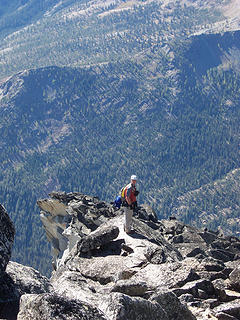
[[128, 219]]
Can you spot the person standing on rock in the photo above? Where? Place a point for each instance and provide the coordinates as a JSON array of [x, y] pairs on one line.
[[130, 202]]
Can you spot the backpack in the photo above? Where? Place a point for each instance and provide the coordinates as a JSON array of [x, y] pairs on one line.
[[118, 202], [120, 198], [122, 193]]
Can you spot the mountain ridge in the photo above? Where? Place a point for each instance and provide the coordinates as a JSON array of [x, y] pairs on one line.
[[164, 269]]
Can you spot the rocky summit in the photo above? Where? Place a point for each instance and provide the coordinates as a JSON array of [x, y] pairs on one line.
[[163, 270]]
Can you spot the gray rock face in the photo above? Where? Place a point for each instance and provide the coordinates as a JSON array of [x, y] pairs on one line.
[[7, 232], [17, 281], [68, 217], [122, 307], [97, 239], [52, 306], [27, 279], [8, 294], [234, 278], [9, 298], [172, 305], [230, 308]]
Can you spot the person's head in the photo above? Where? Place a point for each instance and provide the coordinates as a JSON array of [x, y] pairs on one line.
[[133, 179]]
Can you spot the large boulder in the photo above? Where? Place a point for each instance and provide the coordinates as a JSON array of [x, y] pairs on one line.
[[234, 278], [9, 297], [119, 306], [173, 307], [52, 306], [229, 308], [27, 279], [17, 281], [97, 239]]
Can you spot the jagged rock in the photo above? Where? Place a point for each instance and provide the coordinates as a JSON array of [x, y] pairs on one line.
[[167, 275], [224, 292], [67, 197], [231, 295], [51, 306], [67, 217], [172, 305], [234, 278], [97, 239], [27, 279], [156, 255], [186, 239], [231, 265], [196, 287], [126, 248], [208, 236], [17, 281], [130, 288], [230, 308], [9, 297], [186, 298], [195, 252], [55, 219], [209, 303], [211, 269], [147, 213], [142, 230], [220, 254], [7, 232], [122, 307], [53, 206], [224, 316], [220, 287], [74, 285], [210, 264], [103, 269]]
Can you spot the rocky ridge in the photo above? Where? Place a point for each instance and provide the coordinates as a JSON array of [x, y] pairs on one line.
[[163, 270]]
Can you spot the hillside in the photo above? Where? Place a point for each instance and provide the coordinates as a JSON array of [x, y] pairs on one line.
[[216, 203], [17, 14], [159, 99], [76, 33]]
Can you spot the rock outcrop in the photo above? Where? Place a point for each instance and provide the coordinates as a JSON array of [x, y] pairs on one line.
[[15, 279], [7, 232], [53, 306], [163, 270]]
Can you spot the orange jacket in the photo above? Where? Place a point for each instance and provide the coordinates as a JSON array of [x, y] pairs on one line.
[[129, 192]]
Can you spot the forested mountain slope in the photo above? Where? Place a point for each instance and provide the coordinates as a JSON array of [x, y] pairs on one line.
[[17, 14], [164, 105], [77, 33]]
